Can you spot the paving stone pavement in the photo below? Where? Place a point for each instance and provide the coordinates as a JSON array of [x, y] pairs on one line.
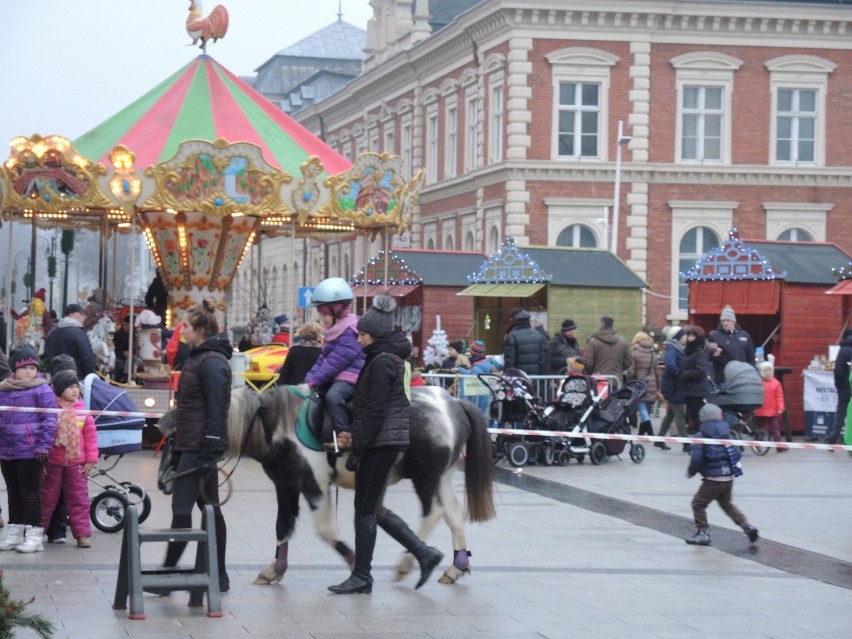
[[580, 550]]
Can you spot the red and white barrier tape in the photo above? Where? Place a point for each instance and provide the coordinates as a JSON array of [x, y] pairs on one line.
[[82, 411], [668, 440]]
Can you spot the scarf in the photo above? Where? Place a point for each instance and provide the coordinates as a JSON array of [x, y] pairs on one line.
[[67, 432], [11, 384]]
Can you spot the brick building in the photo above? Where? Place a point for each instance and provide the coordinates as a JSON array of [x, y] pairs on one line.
[[733, 114]]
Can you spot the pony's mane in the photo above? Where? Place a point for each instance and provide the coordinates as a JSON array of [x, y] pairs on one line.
[[246, 434]]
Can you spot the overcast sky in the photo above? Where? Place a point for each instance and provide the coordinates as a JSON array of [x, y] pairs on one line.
[[71, 64]]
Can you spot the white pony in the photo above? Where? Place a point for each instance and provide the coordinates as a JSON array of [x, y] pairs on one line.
[[100, 337]]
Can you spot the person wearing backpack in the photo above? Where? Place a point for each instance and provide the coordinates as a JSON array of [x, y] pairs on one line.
[[718, 465]]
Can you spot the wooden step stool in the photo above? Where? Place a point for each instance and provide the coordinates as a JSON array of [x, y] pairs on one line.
[[132, 581]]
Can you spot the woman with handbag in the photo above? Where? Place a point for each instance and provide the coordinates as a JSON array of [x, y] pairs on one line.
[[645, 367]]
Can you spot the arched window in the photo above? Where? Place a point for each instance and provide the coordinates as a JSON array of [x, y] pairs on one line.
[[577, 236], [693, 245], [469, 241], [449, 244], [493, 240], [430, 244], [796, 235]]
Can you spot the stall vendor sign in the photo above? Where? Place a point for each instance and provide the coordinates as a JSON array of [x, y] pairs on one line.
[[820, 403]]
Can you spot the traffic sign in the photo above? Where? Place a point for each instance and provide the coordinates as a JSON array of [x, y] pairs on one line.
[[305, 295]]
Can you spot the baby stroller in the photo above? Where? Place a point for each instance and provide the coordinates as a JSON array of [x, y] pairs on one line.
[[742, 395], [515, 404], [577, 397], [612, 416], [116, 436]]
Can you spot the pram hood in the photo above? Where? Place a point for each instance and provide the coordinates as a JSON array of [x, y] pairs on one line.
[[116, 434], [743, 387]]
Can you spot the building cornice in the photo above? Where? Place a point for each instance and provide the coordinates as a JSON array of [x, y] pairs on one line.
[[544, 171]]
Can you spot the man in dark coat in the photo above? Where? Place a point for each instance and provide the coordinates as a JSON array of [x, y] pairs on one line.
[[734, 342], [564, 345], [69, 338], [157, 297], [525, 348], [841, 383]]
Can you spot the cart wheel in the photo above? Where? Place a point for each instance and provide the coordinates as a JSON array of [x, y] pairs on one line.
[[761, 435], [546, 454], [519, 454], [637, 453], [137, 496], [581, 458], [597, 453], [563, 458], [107, 511]]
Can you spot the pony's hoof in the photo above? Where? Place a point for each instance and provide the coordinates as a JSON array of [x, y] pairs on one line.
[[268, 576], [452, 575]]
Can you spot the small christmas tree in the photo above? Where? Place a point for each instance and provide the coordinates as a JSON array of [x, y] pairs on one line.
[[436, 350], [12, 616]]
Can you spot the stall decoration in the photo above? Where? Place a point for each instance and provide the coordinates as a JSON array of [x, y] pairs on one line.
[[509, 266], [733, 260]]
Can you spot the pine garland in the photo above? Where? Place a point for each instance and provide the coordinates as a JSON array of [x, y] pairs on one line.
[[12, 616]]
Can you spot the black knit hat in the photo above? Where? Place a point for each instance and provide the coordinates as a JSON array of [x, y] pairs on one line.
[[569, 325], [62, 380], [23, 355], [378, 320], [458, 345], [62, 362]]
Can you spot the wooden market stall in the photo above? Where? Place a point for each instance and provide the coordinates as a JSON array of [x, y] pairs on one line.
[[425, 284], [778, 292], [553, 284]]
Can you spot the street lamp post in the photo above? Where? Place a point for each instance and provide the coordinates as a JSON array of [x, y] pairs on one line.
[[616, 205]]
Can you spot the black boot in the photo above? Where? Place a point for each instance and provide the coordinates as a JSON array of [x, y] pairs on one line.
[[645, 428], [360, 581], [175, 548], [427, 556]]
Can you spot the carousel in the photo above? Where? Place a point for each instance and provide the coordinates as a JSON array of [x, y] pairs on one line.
[[203, 166]]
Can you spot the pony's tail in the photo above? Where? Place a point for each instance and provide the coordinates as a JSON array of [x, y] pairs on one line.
[[478, 467], [168, 422]]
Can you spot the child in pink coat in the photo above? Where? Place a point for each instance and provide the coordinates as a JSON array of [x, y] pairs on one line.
[[73, 455], [768, 416]]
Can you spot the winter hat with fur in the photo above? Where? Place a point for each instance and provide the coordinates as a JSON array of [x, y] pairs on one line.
[[23, 355], [378, 320], [62, 380]]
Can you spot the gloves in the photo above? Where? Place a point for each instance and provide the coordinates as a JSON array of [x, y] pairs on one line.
[[206, 464], [353, 461], [41, 458]]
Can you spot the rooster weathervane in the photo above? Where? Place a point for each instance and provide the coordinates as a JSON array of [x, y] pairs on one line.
[[212, 27]]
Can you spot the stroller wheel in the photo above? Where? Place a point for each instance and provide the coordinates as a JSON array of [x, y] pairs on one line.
[[137, 496], [107, 511], [496, 452], [564, 457], [761, 435], [519, 454], [597, 453], [637, 453], [546, 454]]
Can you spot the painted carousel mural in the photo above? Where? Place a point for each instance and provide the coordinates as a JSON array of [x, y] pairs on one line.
[[203, 166]]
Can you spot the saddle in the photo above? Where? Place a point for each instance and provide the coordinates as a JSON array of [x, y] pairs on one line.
[[317, 418]]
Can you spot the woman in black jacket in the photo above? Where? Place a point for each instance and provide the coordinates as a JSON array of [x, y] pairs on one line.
[[380, 435], [302, 356], [201, 433], [696, 371]]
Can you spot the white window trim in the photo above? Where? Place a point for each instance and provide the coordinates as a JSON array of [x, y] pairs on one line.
[[706, 69], [468, 225], [406, 142], [451, 137], [471, 128], [588, 65], [782, 216], [592, 213], [493, 222], [432, 142], [497, 118], [686, 215], [430, 231], [799, 72]]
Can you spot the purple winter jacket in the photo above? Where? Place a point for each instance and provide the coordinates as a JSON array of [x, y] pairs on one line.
[[342, 357], [22, 435]]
